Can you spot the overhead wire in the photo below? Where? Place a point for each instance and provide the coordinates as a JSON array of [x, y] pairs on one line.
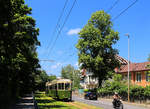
[[125, 10], [56, 27], [58, 21], [62, 27], [115, 3]]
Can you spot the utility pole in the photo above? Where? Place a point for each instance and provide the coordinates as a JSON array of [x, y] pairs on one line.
[[128, 67]]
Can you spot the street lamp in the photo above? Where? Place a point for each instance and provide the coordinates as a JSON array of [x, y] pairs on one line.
[[128, 68]]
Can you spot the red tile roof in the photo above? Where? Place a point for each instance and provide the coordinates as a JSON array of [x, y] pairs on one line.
[[134, 67], [122, 60]]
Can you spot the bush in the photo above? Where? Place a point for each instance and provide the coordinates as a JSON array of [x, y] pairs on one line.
[[117, 85], [86, 90]]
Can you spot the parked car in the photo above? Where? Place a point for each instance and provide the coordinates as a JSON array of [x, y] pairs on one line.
[[90, 96]]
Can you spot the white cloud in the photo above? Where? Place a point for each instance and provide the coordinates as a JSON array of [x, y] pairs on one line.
[[76, 64], [56, 66], [73, 31]]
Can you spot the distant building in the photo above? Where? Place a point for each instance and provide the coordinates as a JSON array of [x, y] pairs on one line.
[[87, 81], [138, 74]]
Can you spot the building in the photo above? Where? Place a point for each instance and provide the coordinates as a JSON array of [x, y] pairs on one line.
[[89, 82], [139, 73]]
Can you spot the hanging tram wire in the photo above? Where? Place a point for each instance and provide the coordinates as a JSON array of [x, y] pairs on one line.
[[57, 24], [62, 27], [112, 6], [125, 10]]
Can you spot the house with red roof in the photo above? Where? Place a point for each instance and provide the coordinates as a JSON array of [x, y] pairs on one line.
[[139, 73]]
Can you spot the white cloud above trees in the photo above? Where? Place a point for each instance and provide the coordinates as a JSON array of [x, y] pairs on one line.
[[73, 31]]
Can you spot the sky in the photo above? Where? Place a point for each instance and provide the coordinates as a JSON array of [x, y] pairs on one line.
[[59, 49]]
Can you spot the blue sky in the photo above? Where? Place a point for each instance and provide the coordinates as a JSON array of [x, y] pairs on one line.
[[135, 21]]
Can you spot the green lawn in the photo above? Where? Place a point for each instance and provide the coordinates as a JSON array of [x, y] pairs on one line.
[[45, 102]]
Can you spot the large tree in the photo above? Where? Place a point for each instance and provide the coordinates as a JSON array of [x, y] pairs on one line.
[[95, 50], [18, 57], [41, 79], [69, 72]]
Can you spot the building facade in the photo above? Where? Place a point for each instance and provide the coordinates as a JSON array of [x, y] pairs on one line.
[[139, 73]]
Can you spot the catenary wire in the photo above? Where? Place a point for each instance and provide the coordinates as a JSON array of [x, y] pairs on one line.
[[125, 10]]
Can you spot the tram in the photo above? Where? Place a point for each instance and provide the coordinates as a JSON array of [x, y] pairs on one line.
[[59, 89]]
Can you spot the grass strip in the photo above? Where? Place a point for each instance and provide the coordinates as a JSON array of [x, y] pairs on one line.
[[45, 102]]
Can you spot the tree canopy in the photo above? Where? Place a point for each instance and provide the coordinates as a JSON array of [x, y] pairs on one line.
[[94, 46], [69, 72], [18, 57], [41, 79]]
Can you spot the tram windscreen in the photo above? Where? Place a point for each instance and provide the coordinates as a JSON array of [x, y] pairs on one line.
[[67, 86], [61, 86]]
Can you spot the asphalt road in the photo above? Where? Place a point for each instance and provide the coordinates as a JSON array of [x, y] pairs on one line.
[[106, 104]]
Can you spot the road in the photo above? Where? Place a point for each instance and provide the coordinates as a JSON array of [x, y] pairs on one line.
[[106, 104]]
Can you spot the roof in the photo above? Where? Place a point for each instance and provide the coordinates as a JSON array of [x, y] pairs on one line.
[[121, 60], [134, 67], [61, 81]]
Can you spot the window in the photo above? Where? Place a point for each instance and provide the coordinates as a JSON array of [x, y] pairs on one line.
[[67, 86], [147, 76], [138, 77], [61, 86], [55, 86]]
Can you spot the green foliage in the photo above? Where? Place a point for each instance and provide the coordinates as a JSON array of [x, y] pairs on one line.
[[69, 72], [86, 90], [18, 41], [147, 92], [119, 86], [137, 92], [40, 80], [45, 102], [95, 46], [52, 77]]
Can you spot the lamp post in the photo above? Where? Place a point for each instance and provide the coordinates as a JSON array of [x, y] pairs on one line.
[[128, 68]]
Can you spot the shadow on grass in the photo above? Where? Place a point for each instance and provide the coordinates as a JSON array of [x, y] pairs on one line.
[[45, 101], [48, 106], [51, 106]]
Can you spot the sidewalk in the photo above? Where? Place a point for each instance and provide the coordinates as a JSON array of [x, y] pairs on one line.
[[26, 102]]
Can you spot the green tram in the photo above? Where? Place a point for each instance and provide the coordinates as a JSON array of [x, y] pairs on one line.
[[59, 89]]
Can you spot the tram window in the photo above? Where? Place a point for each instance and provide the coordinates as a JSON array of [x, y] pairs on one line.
[[62, 86], [67, 86], [55, 86], [59, 86]]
